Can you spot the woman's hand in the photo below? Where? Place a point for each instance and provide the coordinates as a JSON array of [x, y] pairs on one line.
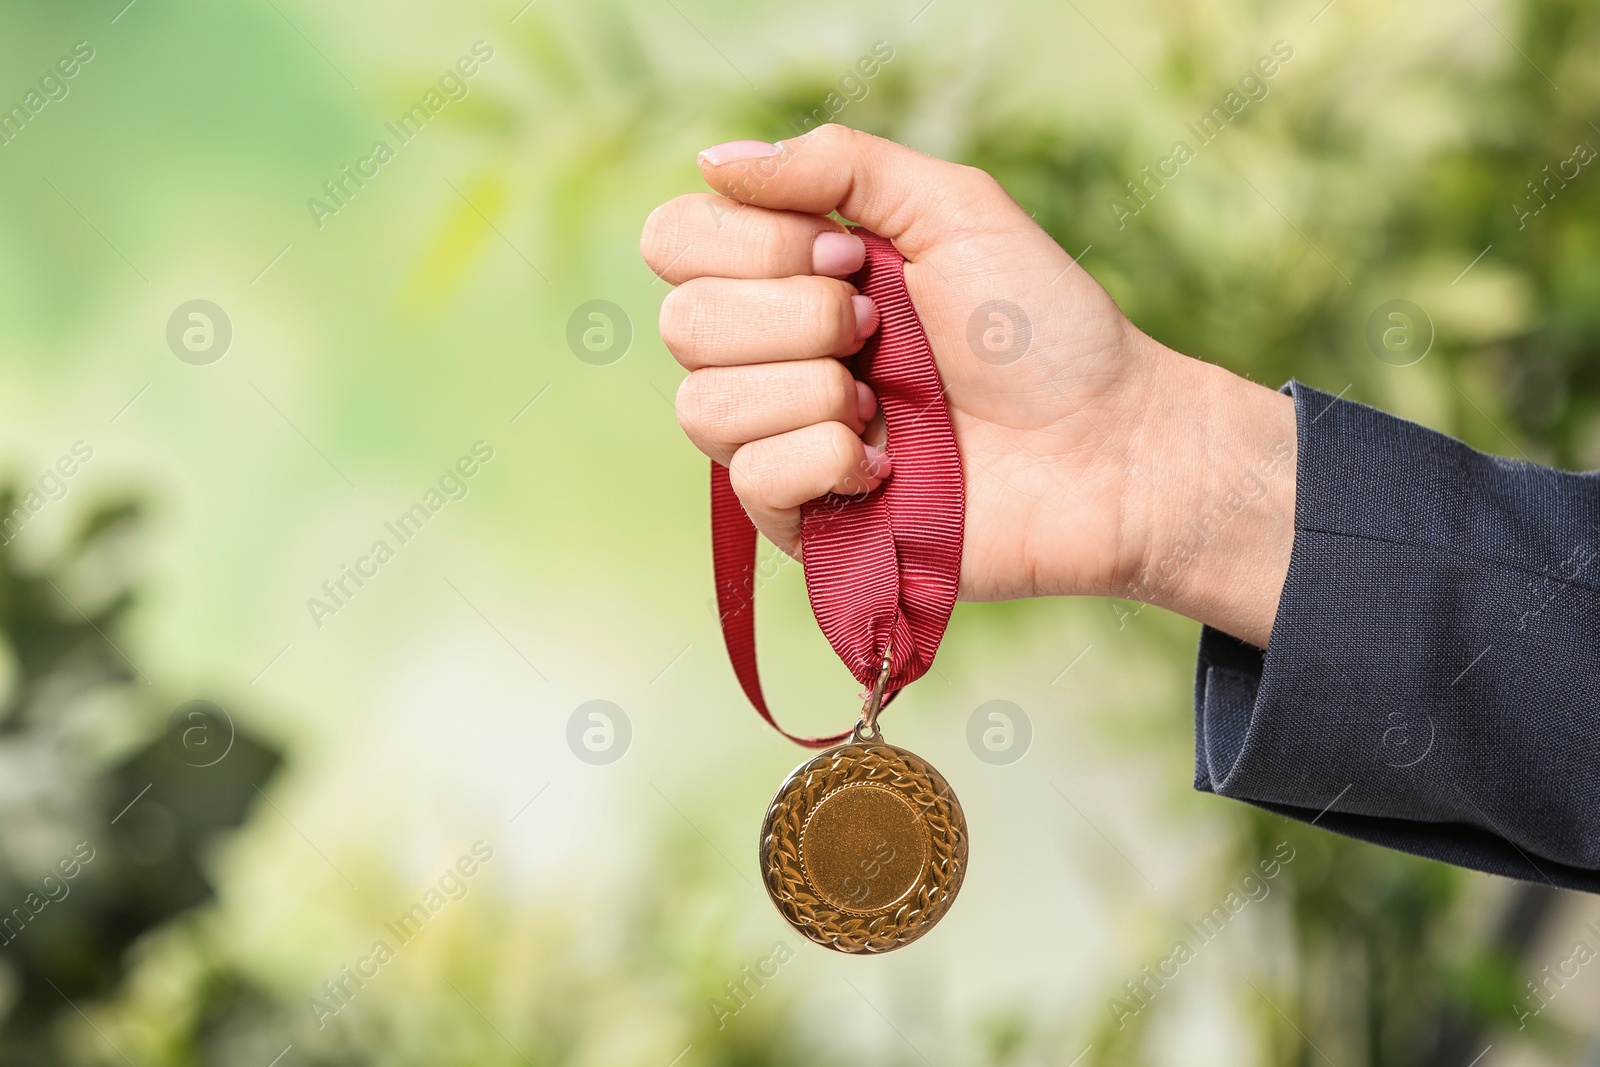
[[1083, 441]]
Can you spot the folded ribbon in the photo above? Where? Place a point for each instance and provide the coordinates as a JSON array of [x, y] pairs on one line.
[[881, 568]]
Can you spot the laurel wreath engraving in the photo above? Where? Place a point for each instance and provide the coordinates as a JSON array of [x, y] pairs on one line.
[[889, 767]]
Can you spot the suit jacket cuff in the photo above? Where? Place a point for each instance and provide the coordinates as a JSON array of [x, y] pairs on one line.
[[1432, 683]]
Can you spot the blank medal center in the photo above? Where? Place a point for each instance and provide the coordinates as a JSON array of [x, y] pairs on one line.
[[864, 847]]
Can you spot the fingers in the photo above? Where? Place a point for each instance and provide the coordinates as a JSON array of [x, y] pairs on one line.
[[775, 475], [761, 317], [724, 408], [722, 321], [710, 236], [892, 190]]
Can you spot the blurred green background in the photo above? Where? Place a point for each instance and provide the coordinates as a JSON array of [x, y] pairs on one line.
[[264, 788]]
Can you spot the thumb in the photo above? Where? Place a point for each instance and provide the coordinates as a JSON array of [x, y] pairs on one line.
[[895, 192]]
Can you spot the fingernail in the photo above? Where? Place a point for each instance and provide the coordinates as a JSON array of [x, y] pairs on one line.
[[877, 464], [866, 316], [835, 254], [735, 151], [866, 402]]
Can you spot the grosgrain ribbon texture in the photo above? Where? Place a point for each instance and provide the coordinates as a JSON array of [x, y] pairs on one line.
[[882, 567]]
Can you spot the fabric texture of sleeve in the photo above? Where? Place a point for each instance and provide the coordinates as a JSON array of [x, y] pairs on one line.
[[1432, 683]]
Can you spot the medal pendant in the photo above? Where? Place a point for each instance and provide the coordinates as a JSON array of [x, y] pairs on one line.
[[864, 847]]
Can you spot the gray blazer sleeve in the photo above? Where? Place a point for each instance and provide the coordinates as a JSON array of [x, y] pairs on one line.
[[1432, 683]]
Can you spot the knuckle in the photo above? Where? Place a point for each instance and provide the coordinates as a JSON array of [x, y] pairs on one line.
[[663, 233], [690, 325], [687, 406], [834, 387], [819, 317], [648, 236], [704, 407], [972, 196], [839, 446], [976, 181], [752, 474], [676, 321], [651, 237], [816, 320], [833, 135]]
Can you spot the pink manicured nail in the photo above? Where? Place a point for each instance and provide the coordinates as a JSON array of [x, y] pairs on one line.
[[735, 151], [866, 316], [877, 464], [835, 254], [866, 402]]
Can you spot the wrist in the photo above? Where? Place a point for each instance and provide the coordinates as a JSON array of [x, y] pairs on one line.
[[1210, 513]]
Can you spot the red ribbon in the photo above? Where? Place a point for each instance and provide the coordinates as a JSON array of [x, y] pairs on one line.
[[883, 567]]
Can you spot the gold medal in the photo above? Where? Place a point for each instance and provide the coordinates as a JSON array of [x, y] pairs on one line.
[[864, 846]]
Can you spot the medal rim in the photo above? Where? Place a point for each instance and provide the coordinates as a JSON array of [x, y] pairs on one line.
[[835, 927]]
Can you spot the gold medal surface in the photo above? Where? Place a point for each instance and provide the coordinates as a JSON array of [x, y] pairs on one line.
[[864, 847]]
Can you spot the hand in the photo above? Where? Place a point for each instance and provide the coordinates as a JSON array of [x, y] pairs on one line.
[[1082, 440]]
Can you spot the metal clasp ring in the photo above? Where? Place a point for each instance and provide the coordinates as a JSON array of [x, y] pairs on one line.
[[867, 728]]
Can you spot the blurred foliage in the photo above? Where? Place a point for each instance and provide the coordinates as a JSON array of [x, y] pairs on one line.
[[94, 856]]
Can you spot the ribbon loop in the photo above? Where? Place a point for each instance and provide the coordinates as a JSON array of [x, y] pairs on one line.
[[882, 569]]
